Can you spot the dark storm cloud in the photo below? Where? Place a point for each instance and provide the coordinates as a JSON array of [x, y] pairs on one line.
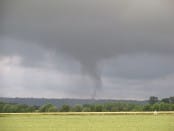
[[139, 66], [88, 31], [10, 47]]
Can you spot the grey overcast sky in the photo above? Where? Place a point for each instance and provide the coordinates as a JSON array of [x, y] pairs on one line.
[[112, 49]]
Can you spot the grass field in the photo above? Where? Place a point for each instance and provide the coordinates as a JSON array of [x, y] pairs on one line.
[[87, 122]]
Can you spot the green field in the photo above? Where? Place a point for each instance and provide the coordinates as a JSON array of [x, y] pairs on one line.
[[86, 122]]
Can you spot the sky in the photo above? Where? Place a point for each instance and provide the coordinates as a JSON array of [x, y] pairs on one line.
[[102, 49]]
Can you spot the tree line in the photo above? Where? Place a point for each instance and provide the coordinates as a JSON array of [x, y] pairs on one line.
[[166, 104]]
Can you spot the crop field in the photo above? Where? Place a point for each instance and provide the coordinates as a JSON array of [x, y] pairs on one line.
[[87, 122]]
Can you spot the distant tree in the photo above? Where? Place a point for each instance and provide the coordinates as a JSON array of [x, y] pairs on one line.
[[86, 109], [165, 106], [107, 107], [48, 108], [153, 100], [77, 108], [147, 107], [155, 107], [114, 109], [31, 109], [172, 107], [98, 108], [1, 106], [10, 108], [137, 108], [22, 108], [90, 106], [52, 109], [172, 99], [65, 108], [166, 100]]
